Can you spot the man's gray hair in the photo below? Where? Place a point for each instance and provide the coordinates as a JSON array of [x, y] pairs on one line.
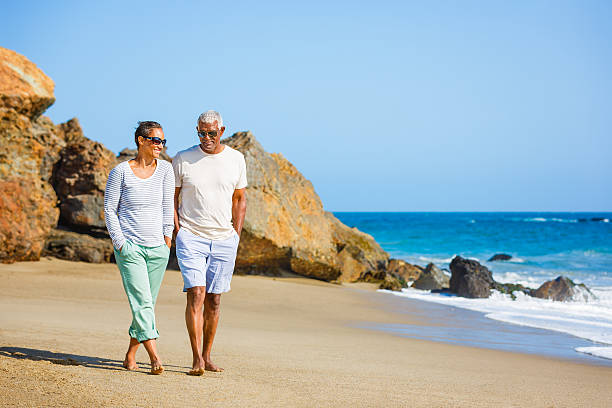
[[211, 117]]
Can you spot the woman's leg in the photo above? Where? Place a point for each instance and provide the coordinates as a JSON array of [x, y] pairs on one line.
[[157, 261], [134, 274], [130, 356]]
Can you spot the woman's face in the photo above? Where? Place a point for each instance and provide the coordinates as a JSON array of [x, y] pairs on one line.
[[148, 146]]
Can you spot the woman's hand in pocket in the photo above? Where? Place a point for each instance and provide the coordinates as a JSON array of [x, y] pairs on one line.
[[168, 241]]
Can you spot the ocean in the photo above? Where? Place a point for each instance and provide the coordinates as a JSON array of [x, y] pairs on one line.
[[542, 245]]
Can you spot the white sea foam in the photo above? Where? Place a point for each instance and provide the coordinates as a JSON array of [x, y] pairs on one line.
[[604, 352], [589, 320], [542, 219], [436, 261]]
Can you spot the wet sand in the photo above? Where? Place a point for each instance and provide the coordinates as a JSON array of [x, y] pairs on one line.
[[283, 342]]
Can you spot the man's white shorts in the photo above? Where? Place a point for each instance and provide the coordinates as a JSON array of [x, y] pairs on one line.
[[205, 262]]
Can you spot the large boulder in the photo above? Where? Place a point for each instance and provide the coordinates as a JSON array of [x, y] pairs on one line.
[[24, 88], [29, 145], [404, 271], [79, 178], [287, 229], [432, 278], [563, 289], [73, 246], [470, 279]]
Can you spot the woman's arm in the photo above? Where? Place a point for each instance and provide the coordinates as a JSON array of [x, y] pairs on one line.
[[112, 194], [168, 206]]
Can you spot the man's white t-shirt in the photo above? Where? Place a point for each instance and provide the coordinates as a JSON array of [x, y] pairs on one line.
[[207, 184]]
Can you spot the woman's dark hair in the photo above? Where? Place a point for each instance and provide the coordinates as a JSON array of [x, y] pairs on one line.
[[144, 128]]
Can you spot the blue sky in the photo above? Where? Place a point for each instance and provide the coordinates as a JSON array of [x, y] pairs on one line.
[[384, 106]]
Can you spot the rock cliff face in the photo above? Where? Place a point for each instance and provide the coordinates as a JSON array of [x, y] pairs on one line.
[[45, 170], [287, 229], [29, 146], [79, 178]]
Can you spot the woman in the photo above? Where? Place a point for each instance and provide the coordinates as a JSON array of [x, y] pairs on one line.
[[139, 210]]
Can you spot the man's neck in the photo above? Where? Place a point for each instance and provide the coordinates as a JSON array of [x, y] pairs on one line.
[[218, 150]]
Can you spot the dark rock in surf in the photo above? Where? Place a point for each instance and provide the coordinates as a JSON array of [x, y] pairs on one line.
[[470, 279], [563, 289], [500, 257], [432, 278]]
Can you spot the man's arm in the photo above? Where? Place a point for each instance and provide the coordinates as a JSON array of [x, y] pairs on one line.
[[238, 209], [177, 193]]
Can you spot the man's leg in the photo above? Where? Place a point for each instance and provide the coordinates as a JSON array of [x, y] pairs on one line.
[[192, 255], [212, 305], [218, 278], [195, 323]]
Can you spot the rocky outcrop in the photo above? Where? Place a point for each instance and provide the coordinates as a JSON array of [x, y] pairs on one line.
[[73, 246], [432, 278], [563, 289], [286, 228], [24, 88], [391, 283], [500, 257], [404, 271], [29, 145], [79, 178], [470, 279]]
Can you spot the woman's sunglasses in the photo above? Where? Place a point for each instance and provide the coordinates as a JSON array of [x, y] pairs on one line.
[[156, 140]]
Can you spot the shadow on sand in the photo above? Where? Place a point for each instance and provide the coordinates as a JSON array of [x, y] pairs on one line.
[[22, 353]]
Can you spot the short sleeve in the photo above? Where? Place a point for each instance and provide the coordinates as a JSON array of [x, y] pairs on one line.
[[242, 179], [177, 166]]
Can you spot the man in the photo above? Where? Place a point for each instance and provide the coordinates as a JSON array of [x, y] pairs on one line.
[[209, 209]]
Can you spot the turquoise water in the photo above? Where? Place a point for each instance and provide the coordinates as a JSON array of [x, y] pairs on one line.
[[543, 246]]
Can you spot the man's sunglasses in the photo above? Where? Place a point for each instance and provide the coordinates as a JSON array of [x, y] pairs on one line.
[[156, 140], [212, 134]]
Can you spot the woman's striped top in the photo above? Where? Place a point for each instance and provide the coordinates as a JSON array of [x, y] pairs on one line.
[[141, 210]]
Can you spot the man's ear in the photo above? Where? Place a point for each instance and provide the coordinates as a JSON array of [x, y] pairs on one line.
[[222, 130]]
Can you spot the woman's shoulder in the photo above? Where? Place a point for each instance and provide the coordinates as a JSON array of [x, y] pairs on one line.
[[121, 167], [164, 165]]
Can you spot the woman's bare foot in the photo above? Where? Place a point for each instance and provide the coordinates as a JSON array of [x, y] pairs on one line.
[[210, 366], [130, 363], [156, 368]]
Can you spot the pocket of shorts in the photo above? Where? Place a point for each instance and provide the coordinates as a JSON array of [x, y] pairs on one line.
[[124, 249]]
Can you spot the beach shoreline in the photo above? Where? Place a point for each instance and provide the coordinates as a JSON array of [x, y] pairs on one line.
[[283, 342]]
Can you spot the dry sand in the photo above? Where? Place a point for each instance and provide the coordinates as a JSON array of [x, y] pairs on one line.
[[283, 342]]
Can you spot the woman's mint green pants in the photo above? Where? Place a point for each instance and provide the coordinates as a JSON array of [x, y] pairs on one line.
[[142, 271]]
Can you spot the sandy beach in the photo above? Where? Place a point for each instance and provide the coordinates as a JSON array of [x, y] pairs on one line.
[[282, 342]]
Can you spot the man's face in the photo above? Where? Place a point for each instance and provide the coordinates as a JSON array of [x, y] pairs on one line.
[[211, 143]]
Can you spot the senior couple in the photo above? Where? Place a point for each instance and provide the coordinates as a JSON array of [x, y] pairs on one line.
[[200, 197]]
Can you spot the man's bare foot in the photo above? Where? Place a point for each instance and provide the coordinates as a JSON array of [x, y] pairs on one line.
[[210, 366], [130, 364], [197, 367], [196, 371], [157, 368]]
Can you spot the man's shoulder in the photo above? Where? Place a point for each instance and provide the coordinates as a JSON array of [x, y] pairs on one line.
[[187, 152], [233, 152]]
